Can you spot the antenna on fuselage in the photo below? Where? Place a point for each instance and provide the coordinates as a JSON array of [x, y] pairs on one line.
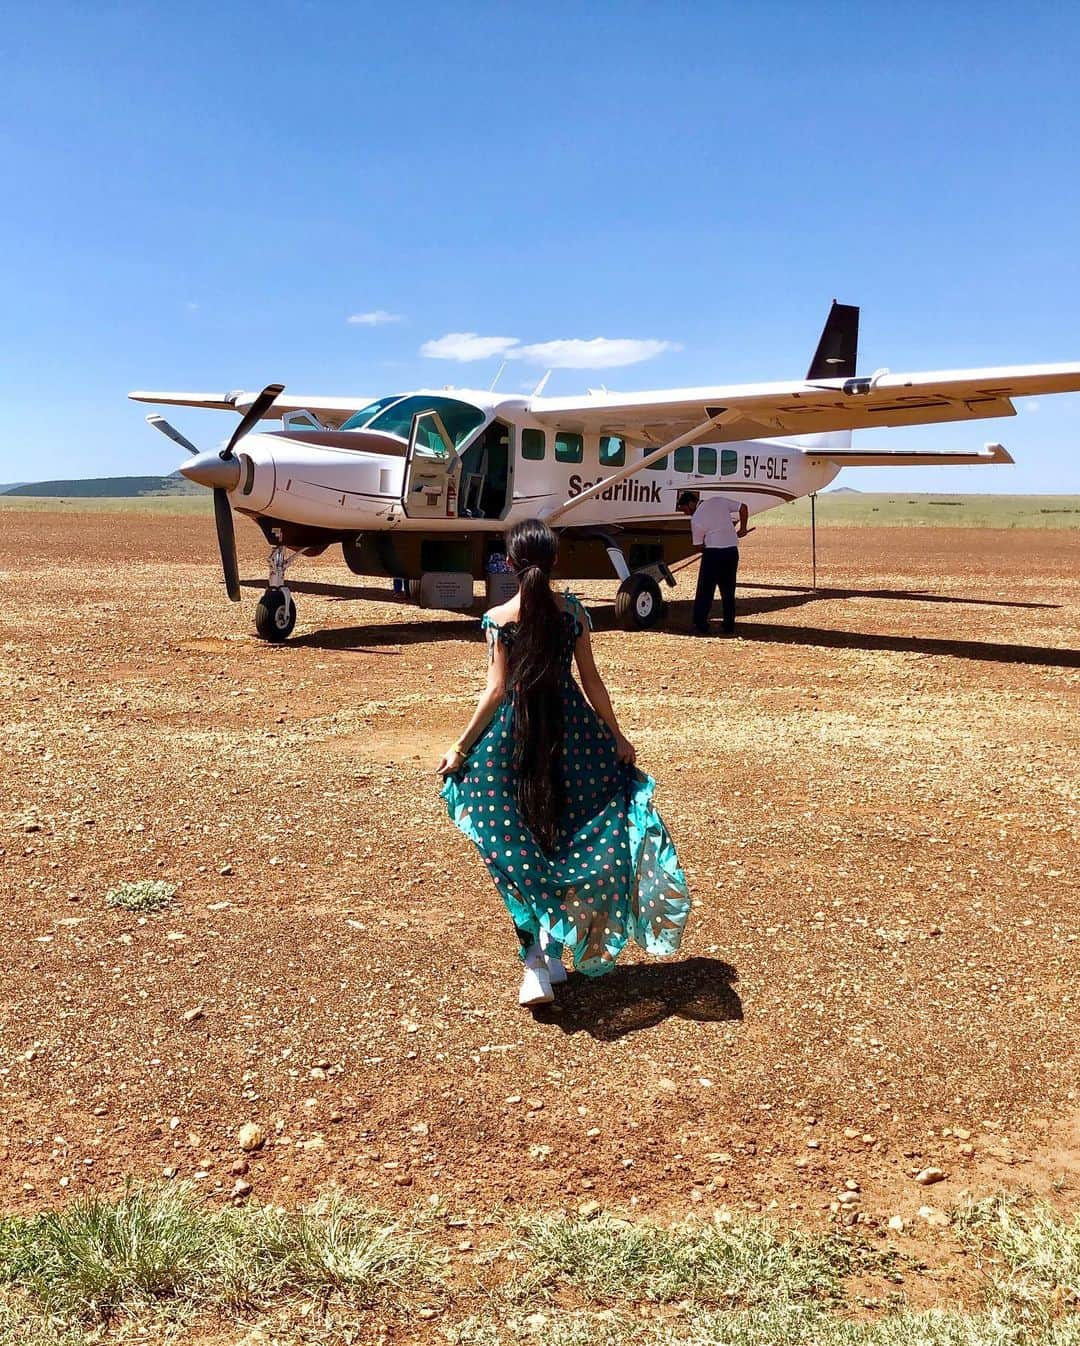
[[497, 377], [541, 385]]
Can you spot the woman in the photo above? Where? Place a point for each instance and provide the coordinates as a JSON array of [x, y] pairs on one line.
[[543, 782]]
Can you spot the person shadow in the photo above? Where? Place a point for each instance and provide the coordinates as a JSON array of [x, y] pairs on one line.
[[636, 996]]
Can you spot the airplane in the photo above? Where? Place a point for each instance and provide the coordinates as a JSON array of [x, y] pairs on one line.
[[421, 486]]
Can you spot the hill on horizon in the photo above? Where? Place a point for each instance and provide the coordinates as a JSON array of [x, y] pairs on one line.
[[116, 487]]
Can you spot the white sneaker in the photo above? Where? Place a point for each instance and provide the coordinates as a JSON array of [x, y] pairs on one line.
[[536, 986], [553, 962]]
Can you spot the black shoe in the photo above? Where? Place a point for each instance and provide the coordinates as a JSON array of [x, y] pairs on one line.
[[700, 631], [727, 631]]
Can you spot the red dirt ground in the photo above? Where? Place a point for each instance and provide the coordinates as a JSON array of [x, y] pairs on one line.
[[874, 794]]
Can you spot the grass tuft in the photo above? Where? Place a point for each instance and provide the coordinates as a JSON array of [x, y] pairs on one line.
[[1031, 1253], [157, 1246], [145, 895], [746, 1262]]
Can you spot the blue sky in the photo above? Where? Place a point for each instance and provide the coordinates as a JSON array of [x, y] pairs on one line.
[[201, 196]]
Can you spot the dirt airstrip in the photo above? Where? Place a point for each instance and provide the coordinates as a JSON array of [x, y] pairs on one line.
[[874, 794]]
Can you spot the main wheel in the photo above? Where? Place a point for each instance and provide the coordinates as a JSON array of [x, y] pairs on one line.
[[638, 603], [275, 615]]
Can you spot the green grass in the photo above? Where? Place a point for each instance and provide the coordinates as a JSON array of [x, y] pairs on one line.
[[833, 510], [158, 1251], [201, 503], [746, 1263], [143, 895], [861, 510], [160, 1264]]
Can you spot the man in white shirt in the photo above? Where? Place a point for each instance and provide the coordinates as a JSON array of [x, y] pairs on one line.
[[712, 526]]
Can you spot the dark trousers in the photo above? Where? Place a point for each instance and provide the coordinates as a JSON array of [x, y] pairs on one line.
[[719, 566]]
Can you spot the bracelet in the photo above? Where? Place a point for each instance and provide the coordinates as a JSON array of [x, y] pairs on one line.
[[458, 747]]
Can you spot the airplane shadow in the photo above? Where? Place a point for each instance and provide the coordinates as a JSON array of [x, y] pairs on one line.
[[991, 652], [636, 996], [905, 595], [398, 633], [342, 591]]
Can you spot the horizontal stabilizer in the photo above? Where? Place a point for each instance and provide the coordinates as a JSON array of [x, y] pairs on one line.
[[992, 453]]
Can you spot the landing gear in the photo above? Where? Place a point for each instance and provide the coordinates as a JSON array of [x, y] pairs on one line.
[[275, 613], [638, 602]]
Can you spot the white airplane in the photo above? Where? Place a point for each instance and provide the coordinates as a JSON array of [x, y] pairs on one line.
[[424, 484]]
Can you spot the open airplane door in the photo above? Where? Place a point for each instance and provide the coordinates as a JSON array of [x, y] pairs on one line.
[[429, 485]]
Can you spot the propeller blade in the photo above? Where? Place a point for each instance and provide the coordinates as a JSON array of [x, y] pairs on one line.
[[171, 432], [254, 413], [226, 537]]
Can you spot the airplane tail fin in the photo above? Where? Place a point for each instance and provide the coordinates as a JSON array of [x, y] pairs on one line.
[[838, 347], [835, 358]]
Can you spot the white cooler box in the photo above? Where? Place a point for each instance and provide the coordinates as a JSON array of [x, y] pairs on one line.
[[446, 589], [499, 588]]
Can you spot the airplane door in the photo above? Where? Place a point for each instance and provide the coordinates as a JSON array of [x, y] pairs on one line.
[[429, 485]]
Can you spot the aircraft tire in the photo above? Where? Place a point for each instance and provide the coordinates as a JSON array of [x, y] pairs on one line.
[[639, 603], [350, 551], [275, 616]]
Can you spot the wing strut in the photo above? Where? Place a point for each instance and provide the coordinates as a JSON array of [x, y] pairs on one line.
[[719, 416]]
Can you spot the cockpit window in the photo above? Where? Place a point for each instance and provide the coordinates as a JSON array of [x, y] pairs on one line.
[[396, 415], [359, 419]]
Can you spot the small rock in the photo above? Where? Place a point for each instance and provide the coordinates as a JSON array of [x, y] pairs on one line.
[[851, 1185], [932, 1215], [239, 1168], [896, 1224], [251, 1136], [225, 870], [961, 1133], [813, 1144], [847, 1198], [589, 1210], [241, 1187], [966, 1150], [427, 1314], [927, 1176], [191, 1015]]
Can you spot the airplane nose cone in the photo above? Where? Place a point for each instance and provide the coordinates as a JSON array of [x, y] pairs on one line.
[[209, 469]]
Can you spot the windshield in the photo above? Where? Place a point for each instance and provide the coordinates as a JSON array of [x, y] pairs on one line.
[[360, 418], [394, 416]]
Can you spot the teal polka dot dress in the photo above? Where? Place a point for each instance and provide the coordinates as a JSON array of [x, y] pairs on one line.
[[614, 875]]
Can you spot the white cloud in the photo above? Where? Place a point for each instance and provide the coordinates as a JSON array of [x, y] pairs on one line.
[[465, 346], [599, 353], [191, 306], [569, 353], [375, 318], [1031, 406]]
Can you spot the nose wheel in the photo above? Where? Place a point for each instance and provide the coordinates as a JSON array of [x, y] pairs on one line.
[[275, 613]]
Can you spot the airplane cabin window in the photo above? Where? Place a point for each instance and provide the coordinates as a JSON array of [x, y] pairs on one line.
[[459, 418], [684, 459], [612, 451], [533, 445], [569, 447], [729, 462], [659, 466], [360, 418], [706, 461]]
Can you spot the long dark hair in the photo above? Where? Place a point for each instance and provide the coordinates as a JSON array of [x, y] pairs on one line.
[[534, 668]]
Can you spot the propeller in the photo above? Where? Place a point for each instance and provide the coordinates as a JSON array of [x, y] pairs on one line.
[[221, 472]]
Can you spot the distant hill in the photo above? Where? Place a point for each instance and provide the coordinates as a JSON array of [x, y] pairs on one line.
[[173, 484], [842, 490], [10, 485]]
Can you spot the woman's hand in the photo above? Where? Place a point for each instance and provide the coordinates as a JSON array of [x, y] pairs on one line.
[[625, 749], [451, 761]]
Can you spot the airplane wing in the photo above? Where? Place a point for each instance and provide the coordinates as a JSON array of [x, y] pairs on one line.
[[332, 411], [767, 410], [992, 453]]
